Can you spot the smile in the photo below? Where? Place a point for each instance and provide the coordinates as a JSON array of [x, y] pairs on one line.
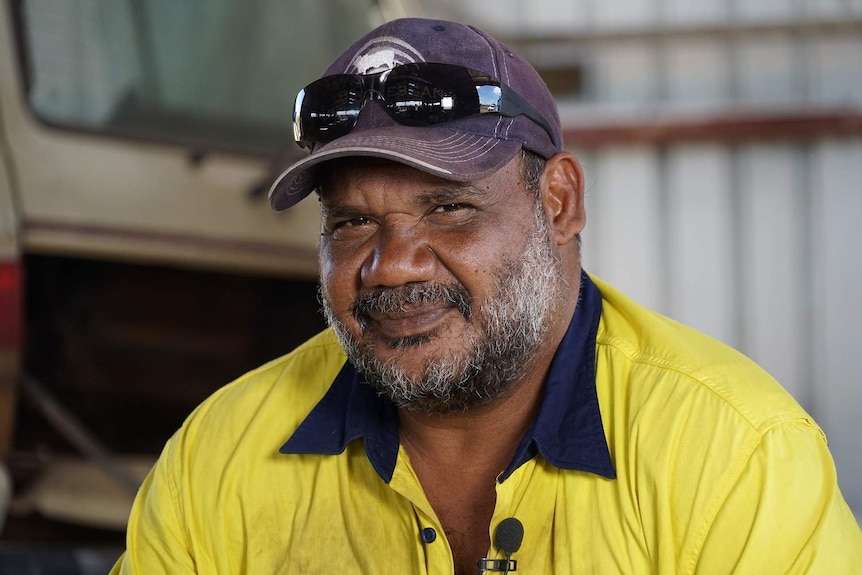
[[411, 326]]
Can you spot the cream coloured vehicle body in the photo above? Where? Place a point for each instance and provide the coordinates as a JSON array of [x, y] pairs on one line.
[[83, 194]]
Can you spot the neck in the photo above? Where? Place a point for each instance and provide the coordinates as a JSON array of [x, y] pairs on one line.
[[482, 436]]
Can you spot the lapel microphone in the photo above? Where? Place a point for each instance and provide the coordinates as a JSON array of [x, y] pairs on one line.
[[507, 538]]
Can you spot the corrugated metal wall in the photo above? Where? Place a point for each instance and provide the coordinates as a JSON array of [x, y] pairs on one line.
[[759, 245], [756, 241]]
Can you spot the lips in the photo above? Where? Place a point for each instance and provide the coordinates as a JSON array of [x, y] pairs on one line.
[[409, 322]]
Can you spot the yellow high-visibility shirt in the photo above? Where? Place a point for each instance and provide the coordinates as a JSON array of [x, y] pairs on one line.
[[656, 450]]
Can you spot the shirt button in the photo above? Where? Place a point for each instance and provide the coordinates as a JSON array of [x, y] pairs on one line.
[[429, 535]]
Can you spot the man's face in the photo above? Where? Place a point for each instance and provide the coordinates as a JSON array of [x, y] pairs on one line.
[[440, 292]]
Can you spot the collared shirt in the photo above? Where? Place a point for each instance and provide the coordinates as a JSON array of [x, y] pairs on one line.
[[713, 468], [567, 431]]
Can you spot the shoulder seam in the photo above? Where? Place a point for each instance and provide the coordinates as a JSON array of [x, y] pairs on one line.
[[179, 511], [638, 357]]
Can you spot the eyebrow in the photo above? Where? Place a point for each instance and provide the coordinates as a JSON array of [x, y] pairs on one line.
[[451, 192], [339, 211]]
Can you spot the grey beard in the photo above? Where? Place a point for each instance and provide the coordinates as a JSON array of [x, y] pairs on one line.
[[512, 324]]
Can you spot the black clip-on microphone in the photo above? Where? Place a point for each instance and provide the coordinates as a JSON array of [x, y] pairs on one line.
[[507, 538]]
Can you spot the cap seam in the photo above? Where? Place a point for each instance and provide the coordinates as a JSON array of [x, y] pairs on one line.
[[494, 53]]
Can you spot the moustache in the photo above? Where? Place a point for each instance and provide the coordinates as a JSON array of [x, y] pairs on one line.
[[387, 300]]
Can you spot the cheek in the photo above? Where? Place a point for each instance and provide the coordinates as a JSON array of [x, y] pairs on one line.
[[339, 279], [495, 239], [475, 263]]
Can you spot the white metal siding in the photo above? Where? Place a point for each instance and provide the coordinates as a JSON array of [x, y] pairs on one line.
[[758, 245]]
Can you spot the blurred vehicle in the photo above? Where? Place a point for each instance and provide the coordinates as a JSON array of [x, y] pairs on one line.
[[141, 266]]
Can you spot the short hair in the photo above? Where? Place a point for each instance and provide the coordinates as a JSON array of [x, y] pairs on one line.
[[532, 168]]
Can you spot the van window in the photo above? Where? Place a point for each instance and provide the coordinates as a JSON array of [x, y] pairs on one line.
[[208, 74]]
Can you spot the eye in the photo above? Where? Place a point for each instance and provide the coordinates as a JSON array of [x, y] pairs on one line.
[[450, 208], [451, 214], [348, 228], [354, 222]]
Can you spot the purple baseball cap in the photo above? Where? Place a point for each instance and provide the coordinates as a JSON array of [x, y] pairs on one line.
[[462, 150]]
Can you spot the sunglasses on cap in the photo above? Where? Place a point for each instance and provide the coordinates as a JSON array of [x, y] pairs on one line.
[[418, 94]]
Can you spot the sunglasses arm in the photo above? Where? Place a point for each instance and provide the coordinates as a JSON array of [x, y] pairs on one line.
[[511, 105]]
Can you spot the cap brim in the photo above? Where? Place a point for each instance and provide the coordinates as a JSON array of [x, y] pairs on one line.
[[444, 152]]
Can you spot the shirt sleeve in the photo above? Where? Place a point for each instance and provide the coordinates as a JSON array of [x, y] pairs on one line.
[[784, 513], [157, 539]]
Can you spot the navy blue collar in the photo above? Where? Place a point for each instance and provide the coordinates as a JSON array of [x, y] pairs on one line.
[[567, 432]]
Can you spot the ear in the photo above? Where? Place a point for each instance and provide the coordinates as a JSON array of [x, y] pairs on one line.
[[562, 188]]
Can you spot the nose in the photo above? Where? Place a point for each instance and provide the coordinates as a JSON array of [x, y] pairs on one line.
[[401, 256]]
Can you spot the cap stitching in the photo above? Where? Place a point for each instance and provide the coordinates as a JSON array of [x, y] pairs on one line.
[[457, 149], [505, 65]]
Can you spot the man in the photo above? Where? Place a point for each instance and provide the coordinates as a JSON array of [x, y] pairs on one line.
[[479, 403]]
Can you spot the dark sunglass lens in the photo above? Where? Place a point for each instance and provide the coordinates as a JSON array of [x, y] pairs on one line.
[[430, 94], [329, 108]]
